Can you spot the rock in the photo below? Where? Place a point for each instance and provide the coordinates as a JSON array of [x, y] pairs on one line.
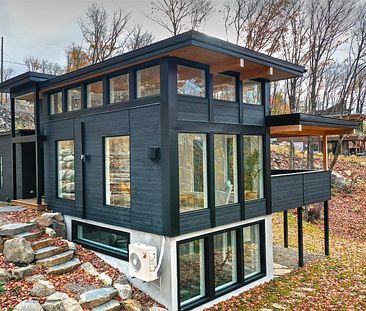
[[16, 228], [43, 221], [36, 278], [71, 304], [124, 290], [57, 296], [55, 302], [122, 279], [72, 246], [21, 272], [18, 250], [4, 275], [50, 232], [157, 309], [132, 305], [337, 179], [278, 306], [59, 228], [105, 279], [96, 297], [2, 241], [42, 288], [28, 305], [53, 216], [90, 269]]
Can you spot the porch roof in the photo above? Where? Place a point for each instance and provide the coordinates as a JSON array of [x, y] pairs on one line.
[[24, 80]]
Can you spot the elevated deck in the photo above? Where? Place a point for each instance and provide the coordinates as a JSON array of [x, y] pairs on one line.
[[31, 203]]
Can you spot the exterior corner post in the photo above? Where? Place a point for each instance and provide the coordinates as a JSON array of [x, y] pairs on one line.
[[285, 229], [300, 237], [326, 228]]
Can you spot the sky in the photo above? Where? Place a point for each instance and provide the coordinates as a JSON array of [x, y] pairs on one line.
[[43, 28]]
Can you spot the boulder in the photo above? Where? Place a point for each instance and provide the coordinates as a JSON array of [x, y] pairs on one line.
[[28, 305], [96, 297], [57, 296], [4, 276], [90, 269], [337, 179], [72, 246], [122, 279], [18, 250], [53, 216], [16, 228], [59, 228], [42, 221], [55, 302], [105, 279], [2, 241], [50, 232], [35, 278], [71, 304], [124, 290], [42, 288], [132, 305], [21, 272]]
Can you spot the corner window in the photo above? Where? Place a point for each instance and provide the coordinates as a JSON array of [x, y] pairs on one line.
[[117, 171], [225, 259], [192, 271], [224, 87], [253, 167], [119, 89], [226, 170], [74, 99], [94, 94], [101, 239], [56, 103], [24, 111], [66, 171], [252, 251], [192, 153], [148, 82], [252, 92], [191, 81]]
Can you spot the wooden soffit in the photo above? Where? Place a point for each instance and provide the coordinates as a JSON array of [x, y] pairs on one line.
[[307, 130]]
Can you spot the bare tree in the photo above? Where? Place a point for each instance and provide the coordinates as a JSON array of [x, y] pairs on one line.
[[76, 57], [43, 66], [139, 38], [104, 34], [178, 15], [7, 73]]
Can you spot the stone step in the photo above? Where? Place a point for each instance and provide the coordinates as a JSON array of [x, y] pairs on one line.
[[29, 235], [112, 305], [64, 267], [49, 251], [16, 228], [55, 260], [42, 244], [97, 297]]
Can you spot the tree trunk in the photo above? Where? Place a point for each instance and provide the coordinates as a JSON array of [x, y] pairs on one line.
[[337, 153]]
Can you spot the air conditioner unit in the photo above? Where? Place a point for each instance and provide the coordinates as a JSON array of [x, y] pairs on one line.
[[142, 262]]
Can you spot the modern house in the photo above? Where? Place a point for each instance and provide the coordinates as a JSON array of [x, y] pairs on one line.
[[169, 146]]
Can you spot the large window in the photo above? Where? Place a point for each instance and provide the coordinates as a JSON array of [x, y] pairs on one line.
[[74, 99], [94, 94], [191, 81], [252, 92], [148, 82], [66, 171], [252, 251], [192, 171], [226, 170], [253, 167], [117, 171], [192, 271], [101, 239], [56, 103], [225, 259], [119, 89], [224, 87], [24, 112]]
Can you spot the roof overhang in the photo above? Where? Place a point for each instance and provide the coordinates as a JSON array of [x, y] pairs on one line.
[[298, 124], [27, 79]]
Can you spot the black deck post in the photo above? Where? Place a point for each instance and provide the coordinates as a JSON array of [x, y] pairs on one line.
[[285, 229], [300, 237], [326, 228]]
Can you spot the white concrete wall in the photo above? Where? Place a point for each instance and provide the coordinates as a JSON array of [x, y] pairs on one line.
[[165, 290]]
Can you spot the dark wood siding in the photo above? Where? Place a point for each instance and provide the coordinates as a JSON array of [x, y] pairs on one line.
[[6, 192], [192, 108], [195, 221], [255, 208], [253, 115], [227, 112], [227, 214]]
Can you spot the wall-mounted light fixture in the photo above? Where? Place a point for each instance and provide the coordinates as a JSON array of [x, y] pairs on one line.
[[154, 153]]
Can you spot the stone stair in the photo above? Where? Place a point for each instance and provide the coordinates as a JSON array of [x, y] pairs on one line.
[[14, 229], [100, 299]]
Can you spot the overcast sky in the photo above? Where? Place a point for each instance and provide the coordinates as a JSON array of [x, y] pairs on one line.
[[43, 28]]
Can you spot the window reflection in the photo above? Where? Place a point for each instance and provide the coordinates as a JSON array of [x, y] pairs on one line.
[[74, 99], [191, 81], [24, 112], [148, 82], [56, 103], [66, 171], [224, 87], [94, 94], [118, 89], [252, 254], [252, 92]]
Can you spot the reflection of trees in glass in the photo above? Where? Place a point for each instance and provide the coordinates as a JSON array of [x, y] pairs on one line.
[[24, 114], [252, 92], [66, 172], [191, 81], [148, 82], [224, 87], [118, 88], [74, 99], [252, 256], [253, 167], [94, 93]]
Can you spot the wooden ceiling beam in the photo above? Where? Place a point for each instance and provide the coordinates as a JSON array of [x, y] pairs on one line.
[[261, 72]]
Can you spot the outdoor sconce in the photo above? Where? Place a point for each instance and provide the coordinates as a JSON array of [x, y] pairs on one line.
[[84, 157], [154, 153]]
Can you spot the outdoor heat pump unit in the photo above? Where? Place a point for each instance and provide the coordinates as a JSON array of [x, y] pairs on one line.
[[143, 262]]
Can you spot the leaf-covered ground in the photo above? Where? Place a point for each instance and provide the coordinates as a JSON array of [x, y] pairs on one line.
[[334, 283]]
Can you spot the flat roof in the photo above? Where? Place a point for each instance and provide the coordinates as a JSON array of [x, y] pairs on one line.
[[25, 79], [300, 124]]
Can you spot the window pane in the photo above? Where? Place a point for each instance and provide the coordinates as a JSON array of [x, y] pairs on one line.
[[74, 99], [225, 259], [252, 92], [253, 167], [224, 87], [56, 103], [94, 94], [117, 171], [148, 82], [118, 89], [66, 172], [226, 171], [191, 81], [252, 252], [103, 239], [24, 112], [192, 271], [192, 171]]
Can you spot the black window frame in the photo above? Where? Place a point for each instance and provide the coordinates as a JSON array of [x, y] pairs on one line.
[[57, 171], [92, 246], [82, 94], [108, 86], [211, 294], [237, 79], [50, 104]]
